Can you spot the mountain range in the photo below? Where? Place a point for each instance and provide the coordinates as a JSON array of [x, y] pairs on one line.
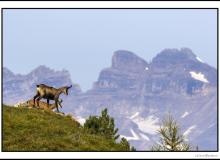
[[138, 94]]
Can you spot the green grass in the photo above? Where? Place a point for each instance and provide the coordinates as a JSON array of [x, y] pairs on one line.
[[39, 130]]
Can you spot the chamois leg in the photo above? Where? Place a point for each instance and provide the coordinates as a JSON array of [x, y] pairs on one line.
[[48, 102], [38, 99], [56, 104], [36, 96]]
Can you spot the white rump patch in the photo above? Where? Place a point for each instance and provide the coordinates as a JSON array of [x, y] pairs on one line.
[[199, 76], [185, 114]]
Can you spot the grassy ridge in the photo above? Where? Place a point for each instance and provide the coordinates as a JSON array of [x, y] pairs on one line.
[[39, 130]]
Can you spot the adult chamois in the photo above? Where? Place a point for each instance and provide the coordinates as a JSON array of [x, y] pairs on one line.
[[50, 93]]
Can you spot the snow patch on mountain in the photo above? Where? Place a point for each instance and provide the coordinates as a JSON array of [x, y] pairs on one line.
[[134, 115], [134, 136], [211, 125], [148, 125], [199, 59], [199, 76], [144, 137], [189, 130], [185, 114]]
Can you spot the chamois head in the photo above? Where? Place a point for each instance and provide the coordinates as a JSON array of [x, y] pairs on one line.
[[65, 89]]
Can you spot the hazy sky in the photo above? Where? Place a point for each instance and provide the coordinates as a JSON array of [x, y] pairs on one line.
[[83, 41]]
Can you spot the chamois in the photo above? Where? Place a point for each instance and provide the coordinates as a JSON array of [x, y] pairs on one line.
[[50, 93]]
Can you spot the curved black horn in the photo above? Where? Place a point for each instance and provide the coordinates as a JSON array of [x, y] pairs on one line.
[[69, 86]]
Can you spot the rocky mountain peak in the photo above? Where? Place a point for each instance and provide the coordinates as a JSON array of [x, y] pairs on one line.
[[172, 57], [41, 70], [127, 61]]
